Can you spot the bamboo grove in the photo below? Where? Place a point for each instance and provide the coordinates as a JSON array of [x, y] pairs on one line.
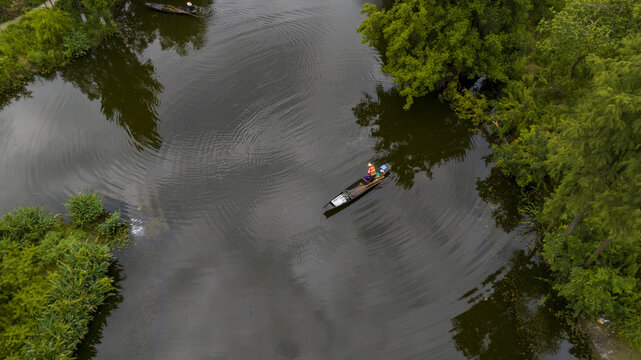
[[564, 117]]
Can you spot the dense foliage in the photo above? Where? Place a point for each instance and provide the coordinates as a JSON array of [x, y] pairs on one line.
[[566, 124], [85, 209], [53, 276], [426, 42], [46, 38]]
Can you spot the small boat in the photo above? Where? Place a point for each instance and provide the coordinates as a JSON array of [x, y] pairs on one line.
[[172, 9], [356, 190]]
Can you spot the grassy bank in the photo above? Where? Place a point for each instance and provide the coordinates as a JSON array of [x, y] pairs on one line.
[[44, 39], [564, 117], [11, 9], [54, 276]]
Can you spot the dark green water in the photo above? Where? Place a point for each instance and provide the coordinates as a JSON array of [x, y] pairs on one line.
[[222, 138]]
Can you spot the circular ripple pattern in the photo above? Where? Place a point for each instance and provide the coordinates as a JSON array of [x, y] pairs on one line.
[[223, 137]]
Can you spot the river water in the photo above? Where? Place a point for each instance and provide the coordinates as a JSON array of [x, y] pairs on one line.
[[222, 137]]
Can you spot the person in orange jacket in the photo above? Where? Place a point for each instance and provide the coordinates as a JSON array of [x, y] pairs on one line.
[[371, 172]]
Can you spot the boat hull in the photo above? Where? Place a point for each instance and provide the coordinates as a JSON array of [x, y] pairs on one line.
[[171, 9], [355, 190]]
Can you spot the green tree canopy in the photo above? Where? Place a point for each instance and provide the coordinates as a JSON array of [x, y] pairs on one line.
[[595, 157], [582, 28], [427, 41], [49, 25]]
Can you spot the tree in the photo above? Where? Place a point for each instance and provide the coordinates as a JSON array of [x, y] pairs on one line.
[[582, 28], [49, 25], [428, 41], [595, 157]]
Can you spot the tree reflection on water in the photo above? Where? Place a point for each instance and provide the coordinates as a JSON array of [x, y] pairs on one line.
[[429, 135], [177, 32], [14, 96], [125, 86], [502, 191], [412, 141], [517, 319], [514, 313]]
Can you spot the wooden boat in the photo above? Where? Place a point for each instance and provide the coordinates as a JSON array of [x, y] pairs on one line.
[[172, 9], [356, 190]]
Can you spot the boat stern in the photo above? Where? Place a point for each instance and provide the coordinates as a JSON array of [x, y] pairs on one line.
[[384, 169]]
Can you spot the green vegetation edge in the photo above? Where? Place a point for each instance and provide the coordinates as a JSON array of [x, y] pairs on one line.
[[47, 38], [11, 9], [563, 116], [55, 276]]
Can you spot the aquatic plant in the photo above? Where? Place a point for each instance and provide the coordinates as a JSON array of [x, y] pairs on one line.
[[85, 209]]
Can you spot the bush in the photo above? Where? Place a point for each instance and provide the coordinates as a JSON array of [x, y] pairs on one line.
[[49, 25], [15, 41], [52, 278], [12, 73], [85, 209], [631, 332], [26, 225], [114, 230], [76, 44], [597, 291], [46, 60], [51, 248], [45, 39], [77, 288]]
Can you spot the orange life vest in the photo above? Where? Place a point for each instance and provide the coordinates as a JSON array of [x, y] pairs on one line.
[[371, 171]]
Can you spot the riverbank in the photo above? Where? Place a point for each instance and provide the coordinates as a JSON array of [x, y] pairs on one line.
[[49, 37], [563, 120], [12, 9], [604, 342], [55, 276], [46, 4]]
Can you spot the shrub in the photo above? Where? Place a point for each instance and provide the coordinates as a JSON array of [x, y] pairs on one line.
[[85, 209], [597, 291], [52, 279], [15, 41], [49, 25], [76, 289], [76, 44], [51, 248], [45, 60], [114, 230], [12, 73], [631, 332], [26, 225], [48, 38]]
